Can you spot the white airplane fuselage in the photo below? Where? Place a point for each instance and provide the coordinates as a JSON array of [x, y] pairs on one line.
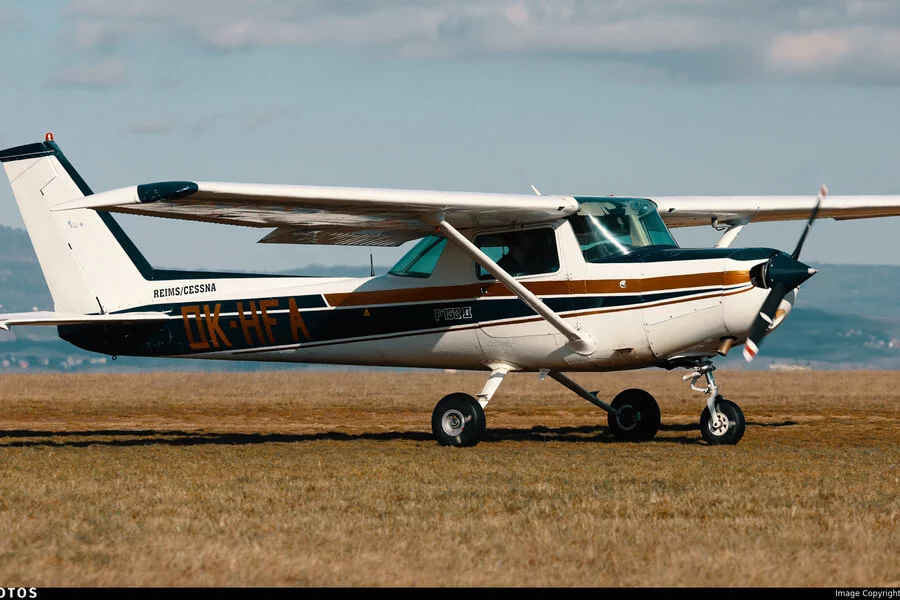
[[642, 309]]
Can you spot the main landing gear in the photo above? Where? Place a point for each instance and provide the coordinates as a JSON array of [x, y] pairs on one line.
[[458, 419], [638, 418]]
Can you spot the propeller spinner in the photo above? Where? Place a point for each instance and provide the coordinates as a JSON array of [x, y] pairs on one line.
[[783, 273]]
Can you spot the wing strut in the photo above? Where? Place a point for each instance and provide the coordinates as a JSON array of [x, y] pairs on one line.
[[580, 342], [731, 232]]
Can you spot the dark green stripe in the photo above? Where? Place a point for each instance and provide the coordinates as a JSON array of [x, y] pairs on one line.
[[25, 152], [82, 185], [656, 254], [165, 190]]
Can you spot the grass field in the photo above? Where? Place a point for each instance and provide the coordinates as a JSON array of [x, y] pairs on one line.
[[333, 479]]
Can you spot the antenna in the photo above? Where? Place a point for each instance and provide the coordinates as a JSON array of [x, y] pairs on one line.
[[371, 265], [534, 189]]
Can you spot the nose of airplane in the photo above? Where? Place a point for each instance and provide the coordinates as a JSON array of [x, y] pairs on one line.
[[782, 274], [787, 271]]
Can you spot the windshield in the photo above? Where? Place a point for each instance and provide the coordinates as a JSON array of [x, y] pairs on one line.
[[422, 259], [608, 227]]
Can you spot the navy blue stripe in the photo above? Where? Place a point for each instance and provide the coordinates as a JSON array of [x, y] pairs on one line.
[[334, 325]]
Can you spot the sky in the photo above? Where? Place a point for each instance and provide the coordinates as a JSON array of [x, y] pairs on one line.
[[625, 97]]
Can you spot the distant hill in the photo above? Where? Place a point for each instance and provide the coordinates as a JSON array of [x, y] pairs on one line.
[[872, 290], [847, 316], [22, 285]]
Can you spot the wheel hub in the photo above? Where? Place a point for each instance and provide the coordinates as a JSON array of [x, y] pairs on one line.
[[629, 418], [453, 422], [718, 425]]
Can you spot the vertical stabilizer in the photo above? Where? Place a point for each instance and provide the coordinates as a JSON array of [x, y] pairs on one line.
[[88, 262]]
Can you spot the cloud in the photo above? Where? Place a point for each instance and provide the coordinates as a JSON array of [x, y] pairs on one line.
[[263, 118], [109, 72], [153, 126], [9, 18], [248, 121], [92, 34], [697, 39], [862, 52], [208, 122]]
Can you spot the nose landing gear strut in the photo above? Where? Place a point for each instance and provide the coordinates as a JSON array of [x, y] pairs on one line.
[[722, 421]]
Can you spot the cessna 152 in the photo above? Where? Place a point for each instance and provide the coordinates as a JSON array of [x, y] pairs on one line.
[[497, 282]]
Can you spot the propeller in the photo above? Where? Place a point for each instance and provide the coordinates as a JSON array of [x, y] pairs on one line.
[[782, 273]]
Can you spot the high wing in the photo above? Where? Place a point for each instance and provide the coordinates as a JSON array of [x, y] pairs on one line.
[[685, 211], [328, 215], [390, 217]]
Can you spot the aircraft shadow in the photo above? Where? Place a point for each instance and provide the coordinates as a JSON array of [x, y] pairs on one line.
[[20, 438]]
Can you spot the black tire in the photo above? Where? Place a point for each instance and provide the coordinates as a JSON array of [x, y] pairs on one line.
[[458, 420], [640, 417], [734, 427]]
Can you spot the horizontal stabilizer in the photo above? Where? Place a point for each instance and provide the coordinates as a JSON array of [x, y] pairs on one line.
[[61, 318]]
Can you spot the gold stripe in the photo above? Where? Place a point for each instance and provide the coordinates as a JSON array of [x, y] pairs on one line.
[[540, 288]]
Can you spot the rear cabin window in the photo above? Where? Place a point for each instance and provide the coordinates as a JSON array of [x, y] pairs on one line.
[[519, 253], [421, 260]]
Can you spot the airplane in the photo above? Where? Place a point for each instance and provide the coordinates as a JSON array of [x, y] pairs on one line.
[[500, 283]]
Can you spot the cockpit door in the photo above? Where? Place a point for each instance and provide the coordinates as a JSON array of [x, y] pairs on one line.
[[509, 329]]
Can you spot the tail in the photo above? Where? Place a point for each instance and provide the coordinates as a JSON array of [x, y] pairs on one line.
[[89, 263]]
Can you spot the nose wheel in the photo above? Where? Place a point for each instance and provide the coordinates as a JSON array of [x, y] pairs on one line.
[[722, 421], [727, 428]]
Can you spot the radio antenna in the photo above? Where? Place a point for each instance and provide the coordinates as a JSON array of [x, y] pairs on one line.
[[534, 189], [371, 265]]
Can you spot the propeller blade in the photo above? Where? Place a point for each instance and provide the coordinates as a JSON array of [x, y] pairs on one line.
[[763, 321], [783, 273], [823, 191]]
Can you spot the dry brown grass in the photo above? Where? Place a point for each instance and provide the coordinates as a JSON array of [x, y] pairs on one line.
[[333, 479]]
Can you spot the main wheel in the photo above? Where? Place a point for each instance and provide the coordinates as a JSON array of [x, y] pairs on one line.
[[458, 420], [639, 418], [731, 425]]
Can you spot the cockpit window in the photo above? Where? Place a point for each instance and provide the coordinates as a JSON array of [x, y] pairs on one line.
[[608, 227], [421, 260]]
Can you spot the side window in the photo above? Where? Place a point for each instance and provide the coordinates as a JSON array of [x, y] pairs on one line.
[[421, 260], [519, 253]]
